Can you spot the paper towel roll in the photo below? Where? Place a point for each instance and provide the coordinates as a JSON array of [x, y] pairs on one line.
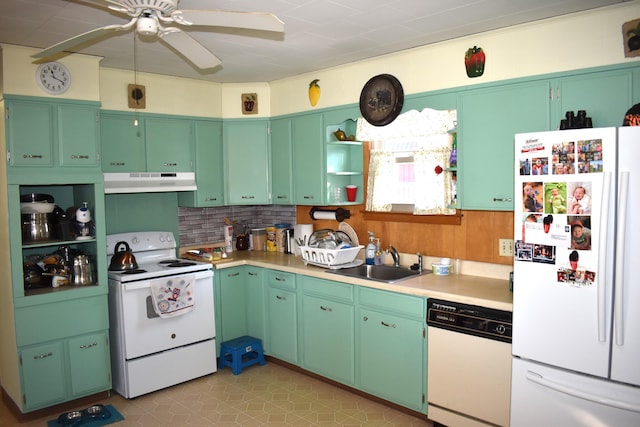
[[228, 238], [299, 232]]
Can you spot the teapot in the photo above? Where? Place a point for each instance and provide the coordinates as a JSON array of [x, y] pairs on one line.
[[122, 259]]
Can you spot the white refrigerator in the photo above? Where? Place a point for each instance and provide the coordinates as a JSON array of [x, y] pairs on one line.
[[576, 302]]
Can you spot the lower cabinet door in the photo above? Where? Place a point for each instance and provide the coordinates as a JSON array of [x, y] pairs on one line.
[[90, 364], [328, 345], [391, 358], [233, 303], [43, 375], [283, 326]]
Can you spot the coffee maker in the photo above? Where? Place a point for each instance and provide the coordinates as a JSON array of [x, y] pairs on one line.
[[84, 226]]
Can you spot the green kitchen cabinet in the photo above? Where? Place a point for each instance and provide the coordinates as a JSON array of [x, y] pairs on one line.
[[327, 332], [281, 164], [605, 96], [232, 303], [45, 134], [208, 166], [246, 157], [90, 362], [136, 142], [122, 143], [488, 119], [308, 159], [169, 144], [43, 375], [391, 347], [65, 359], [344, 163], [63, 370], [282, 316], [256, 315]]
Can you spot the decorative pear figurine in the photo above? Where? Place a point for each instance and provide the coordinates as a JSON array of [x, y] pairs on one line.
[[340, 135]]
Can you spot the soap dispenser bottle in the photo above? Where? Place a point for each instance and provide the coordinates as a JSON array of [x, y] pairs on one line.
[[378, 258], [370, 250]]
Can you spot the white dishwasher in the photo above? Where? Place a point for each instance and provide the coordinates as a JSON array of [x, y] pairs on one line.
[[469, 364]]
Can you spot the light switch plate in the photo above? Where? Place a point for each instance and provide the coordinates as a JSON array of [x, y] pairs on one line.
[[505, 247]]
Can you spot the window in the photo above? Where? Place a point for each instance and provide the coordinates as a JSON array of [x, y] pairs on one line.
[[409, 163]]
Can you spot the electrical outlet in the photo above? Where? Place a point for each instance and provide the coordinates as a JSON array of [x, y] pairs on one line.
[[505, 247]]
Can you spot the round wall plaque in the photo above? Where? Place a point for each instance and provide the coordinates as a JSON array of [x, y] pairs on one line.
[[381, 99]]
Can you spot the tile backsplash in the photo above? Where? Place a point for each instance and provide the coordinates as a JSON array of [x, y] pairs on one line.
[[205, 225]]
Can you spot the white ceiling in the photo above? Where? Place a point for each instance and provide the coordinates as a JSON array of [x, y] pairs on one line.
[[318, 33]]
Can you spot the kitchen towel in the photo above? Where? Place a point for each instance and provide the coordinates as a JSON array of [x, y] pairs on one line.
[[173, 296]]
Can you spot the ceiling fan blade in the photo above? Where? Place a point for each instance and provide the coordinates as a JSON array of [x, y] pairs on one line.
[[222, 18], [190, 48], [75, 41]]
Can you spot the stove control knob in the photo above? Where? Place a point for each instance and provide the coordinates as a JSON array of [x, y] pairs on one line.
[[135, 240], [501, 329]]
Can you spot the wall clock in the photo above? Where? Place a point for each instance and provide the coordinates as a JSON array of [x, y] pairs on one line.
[[381, 99], [53, 78]]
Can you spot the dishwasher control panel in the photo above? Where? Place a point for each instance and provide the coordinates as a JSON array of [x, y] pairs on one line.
[[470, 319]]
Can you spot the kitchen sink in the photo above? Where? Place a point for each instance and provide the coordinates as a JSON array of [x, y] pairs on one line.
[[379, 273]]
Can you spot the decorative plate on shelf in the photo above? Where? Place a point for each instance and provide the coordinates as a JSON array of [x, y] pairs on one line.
[[381, 99]]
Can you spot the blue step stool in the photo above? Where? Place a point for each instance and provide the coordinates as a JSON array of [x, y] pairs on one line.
[[240, 353]]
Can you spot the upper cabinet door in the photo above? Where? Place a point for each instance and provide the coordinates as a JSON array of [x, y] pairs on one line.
[[246, 152], [78, 135], [169, 145], [308, 160], [121, 144], [605, 96], [30, 133], [208, 167], [281, 182], [487, 123]]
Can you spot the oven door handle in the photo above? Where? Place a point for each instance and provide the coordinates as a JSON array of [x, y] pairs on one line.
[[137, 285]]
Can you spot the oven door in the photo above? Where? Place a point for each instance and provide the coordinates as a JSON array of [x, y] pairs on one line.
[[146, 333]]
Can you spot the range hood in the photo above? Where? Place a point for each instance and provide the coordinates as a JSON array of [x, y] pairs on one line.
[[149, 182]]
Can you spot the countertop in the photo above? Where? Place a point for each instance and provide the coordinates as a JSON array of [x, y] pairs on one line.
[[464, 288]]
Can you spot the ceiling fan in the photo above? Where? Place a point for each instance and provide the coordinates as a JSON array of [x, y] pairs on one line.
[[148, 17]]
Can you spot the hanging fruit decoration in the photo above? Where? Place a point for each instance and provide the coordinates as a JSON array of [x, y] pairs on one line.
[[314, 92], [474, 61]]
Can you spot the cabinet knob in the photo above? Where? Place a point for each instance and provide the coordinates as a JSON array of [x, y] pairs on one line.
[[388, 325], [281, 298], [307, 197], [248, 197], [32, 156], [117, 163], [323, 308], [170, 164], [211, 199], [233, 274], [80, 156], [502, 199]]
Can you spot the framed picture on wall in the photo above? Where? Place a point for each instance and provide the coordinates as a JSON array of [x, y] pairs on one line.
[[249, 103]]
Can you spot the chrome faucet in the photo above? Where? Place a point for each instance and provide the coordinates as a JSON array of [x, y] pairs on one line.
[[395, 255]]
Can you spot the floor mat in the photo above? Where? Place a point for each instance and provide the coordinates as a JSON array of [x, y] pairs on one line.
[[93, 416]]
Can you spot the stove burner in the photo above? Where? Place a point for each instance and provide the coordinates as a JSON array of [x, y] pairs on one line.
[[179, 264], [134, 271]]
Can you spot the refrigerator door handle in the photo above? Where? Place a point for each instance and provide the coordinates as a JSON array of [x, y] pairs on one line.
[[580, 394], [620, 239], [602, 256]]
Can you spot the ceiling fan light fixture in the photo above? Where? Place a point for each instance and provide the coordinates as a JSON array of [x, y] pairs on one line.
[[147, 26]]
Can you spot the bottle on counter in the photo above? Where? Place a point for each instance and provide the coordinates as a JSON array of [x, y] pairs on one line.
[[370, 250], [378, 258]]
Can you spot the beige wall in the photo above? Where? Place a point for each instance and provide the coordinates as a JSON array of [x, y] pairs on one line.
[[581, 40], [565, 43]]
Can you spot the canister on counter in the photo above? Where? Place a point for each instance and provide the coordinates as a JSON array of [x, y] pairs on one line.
[[280, 236], [259, 239], [271, 239]]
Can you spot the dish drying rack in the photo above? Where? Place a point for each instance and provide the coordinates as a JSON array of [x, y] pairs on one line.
[[329, 257]]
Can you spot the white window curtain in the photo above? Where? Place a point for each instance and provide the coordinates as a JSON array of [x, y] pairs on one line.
[[424, 134]]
